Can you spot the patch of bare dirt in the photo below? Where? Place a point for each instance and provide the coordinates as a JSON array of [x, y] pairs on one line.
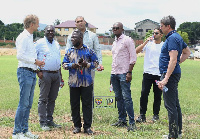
[[65, 132]]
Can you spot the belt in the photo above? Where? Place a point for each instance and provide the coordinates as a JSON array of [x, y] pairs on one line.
[[56, 71], [28, 69]]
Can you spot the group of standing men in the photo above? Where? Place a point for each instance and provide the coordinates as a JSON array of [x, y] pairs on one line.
[[83, 55]]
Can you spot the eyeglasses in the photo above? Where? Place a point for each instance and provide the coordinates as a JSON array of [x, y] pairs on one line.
[[79, 21], [155, 33], [115, 28]]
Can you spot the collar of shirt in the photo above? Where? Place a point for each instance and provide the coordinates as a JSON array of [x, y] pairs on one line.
[[84, 46], [170, 33], [122, 36], [86, 30], [28, 33], [48, 41]]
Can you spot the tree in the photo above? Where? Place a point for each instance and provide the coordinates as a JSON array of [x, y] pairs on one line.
[[184, 35], [11, 31], [148, 34], [57, 22], [192, 29], [1, 23], [134, 35]]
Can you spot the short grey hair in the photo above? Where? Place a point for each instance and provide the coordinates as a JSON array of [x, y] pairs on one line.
[[169, 20], [79, 17]]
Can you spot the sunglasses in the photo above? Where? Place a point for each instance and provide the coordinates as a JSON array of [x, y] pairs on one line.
[[79, 21], [155, 33], [115, 28]]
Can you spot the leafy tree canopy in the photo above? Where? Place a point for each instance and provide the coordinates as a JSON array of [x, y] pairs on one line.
[[192, 29]]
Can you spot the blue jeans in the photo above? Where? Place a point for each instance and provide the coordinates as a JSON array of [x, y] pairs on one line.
[[123, 96], [27, 80]]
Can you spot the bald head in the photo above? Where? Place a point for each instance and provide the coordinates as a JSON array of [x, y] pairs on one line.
[[50, 32], [119, 24], [117, 29]]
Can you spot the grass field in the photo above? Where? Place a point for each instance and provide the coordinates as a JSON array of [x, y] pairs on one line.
[[189, 96]]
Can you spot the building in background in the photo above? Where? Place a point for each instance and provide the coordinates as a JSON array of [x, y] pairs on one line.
[[67, 27], [144, 26]]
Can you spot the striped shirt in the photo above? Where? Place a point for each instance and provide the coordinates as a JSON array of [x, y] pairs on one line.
[[123, 53]]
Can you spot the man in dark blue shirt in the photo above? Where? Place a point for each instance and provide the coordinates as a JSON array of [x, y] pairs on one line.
[[80, 60], [173, 52]]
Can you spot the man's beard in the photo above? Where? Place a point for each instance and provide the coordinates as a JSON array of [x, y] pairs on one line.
[[77, 44]]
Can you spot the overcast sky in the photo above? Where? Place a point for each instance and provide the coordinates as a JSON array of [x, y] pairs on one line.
[[100, 13]]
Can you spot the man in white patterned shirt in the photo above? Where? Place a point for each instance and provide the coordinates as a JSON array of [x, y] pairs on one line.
[[26, 74]]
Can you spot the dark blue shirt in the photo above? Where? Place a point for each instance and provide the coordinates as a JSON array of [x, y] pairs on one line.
[[80, 77], [173, 42]]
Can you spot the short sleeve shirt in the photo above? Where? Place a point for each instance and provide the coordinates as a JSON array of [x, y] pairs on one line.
[[173, 42]]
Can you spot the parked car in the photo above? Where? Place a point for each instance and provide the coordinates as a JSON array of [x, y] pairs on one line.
[[191, 56], [197, 54]]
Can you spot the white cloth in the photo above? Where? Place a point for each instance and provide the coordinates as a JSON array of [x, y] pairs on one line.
[[26, 52], [50, 53], [151, 58]]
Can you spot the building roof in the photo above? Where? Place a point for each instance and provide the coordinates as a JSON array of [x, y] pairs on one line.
[[127, 29], [71, 24], [144, 21]]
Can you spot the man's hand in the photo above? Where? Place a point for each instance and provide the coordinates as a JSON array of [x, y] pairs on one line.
[[83, 64], [162, 83], [128, 77], [75, 66], [40, 74], [100, 67], [39, 63]]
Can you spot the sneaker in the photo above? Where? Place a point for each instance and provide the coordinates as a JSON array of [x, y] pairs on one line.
[[30, 135], [119, 123], [141, 118], [76, 130], [19, 136], [167, 136], [155, 118], [132, 127], [45, 127], [88, 131], [52, 124]]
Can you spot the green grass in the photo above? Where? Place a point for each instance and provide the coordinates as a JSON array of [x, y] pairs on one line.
[[189, 94]]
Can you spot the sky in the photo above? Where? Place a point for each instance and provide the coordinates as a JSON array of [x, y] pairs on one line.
[[100, 13]]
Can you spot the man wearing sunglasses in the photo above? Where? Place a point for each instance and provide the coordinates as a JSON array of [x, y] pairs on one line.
[[124, 59], [174, 51], [152, 47]]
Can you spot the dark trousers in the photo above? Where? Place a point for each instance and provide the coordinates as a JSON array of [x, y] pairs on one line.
[[49, 86], [172, 105], [85, 93], [148, 80]]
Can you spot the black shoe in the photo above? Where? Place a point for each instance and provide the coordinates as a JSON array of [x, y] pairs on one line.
[[155, 118], [132, 127], [141, 118], [76, 130], [120, 123], [52, 124], [88, 131]]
